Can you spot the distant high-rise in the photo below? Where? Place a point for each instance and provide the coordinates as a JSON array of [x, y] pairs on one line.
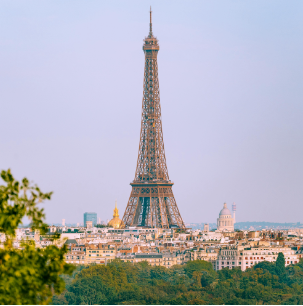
[[63, 222], [234, 211], [90, 216]]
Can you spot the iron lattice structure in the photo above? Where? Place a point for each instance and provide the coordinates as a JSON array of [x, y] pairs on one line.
[[151, 202]]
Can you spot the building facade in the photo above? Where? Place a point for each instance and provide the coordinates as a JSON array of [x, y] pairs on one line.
[[100, 253], [154, 259], [246, 257], [76, 254]]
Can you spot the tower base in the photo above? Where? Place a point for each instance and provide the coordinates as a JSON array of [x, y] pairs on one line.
[[152, 205]]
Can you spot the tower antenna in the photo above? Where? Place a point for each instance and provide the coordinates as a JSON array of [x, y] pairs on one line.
[[150, 22]]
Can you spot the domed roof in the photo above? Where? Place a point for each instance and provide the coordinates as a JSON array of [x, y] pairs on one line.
[[225, 211], [115, 222]]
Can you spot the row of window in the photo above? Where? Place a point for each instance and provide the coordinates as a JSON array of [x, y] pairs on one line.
[[76, 257], [255, 262], [101, 251]]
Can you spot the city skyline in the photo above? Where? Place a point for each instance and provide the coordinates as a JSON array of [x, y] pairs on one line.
[[233, 128]]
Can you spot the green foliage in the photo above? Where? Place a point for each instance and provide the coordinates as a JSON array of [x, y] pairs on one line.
[[101, 225], [18, 200], [195, 283], [266, 265], [280, 265], [28, 275]]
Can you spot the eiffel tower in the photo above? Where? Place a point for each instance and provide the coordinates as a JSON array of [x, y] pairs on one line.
[[151, 202]]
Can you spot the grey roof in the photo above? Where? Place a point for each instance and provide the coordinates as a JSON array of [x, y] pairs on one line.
[[225, 211], [147, 255], [71, 241]]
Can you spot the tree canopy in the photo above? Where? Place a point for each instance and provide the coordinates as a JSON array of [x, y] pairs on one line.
[[195, 283], [28, 275]]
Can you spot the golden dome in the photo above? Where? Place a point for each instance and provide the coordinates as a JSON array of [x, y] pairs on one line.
[[115, 222]]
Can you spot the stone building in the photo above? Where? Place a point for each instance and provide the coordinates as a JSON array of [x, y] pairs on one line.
[[225, 222]]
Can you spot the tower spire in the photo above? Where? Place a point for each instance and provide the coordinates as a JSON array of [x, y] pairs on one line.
[[116, 211], [150, 23]]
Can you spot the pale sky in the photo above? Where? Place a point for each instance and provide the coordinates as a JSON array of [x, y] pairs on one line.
[[231, 88]]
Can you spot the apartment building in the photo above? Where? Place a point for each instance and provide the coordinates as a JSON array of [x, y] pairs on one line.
[[100, 253], [154, 259], [246, 256], [76, 254]]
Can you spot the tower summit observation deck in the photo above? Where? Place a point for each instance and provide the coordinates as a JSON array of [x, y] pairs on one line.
[[151, 202]]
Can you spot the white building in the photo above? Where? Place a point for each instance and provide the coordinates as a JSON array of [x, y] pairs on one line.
[[246, 256], [225, 222]]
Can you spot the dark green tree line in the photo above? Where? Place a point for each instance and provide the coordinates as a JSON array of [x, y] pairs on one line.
[[193, 283]]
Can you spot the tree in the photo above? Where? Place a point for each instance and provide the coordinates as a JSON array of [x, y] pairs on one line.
[[101, 225], [280, 267], [28, 275], [199, 266], [280, 264], [266, 265]]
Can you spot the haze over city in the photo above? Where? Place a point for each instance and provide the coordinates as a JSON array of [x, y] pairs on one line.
[[231, 91]]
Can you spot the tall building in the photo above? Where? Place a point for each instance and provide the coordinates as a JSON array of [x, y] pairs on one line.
[[63, 222], [90, 216], [234, 212], [151, 202]]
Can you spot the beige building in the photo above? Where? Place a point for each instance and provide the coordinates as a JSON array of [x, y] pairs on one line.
[[203, 254], [154, 259], [246, 257], [76, 255], [100, 253]]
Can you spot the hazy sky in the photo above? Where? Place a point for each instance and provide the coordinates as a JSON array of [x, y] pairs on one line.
[[231, 83]]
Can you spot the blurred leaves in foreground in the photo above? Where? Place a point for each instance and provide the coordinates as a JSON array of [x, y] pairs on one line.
[[28, 275]]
